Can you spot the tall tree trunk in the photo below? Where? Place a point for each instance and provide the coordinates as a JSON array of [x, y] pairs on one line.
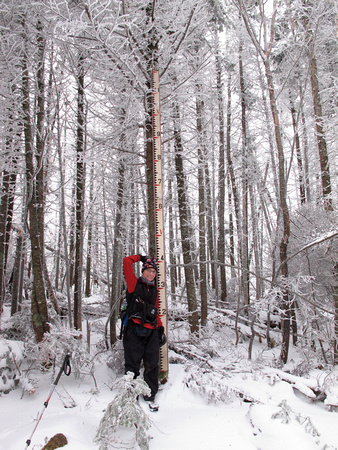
[[6, 215], [184, 216], [173, 275], [63, 213], [231, 174], [221, 181], [80, 194], [16, 303], [117, 249], [298, 153], [231, 230], [40, 140], [7, 197], [230, 169], [317, 107], [38, 301], [244, 233], [90, 235], [201, 208], [152, 61], [283, 247], [335, 297], [72, 228], [322, 149], [270, 132], [40, 161], [106, 237], [320, 133], [209, 202], [20, 259], [256, 242], [306, 157], [57, 257]]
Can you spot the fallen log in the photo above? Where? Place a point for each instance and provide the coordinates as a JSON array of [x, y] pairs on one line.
[[57, 441]]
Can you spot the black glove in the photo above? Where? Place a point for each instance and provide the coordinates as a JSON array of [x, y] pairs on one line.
[[143, 258], [162, 338]]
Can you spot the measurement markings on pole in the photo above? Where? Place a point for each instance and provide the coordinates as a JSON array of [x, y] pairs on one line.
[[159, 220]]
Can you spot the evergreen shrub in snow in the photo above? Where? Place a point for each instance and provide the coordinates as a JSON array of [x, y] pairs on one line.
[[125, 424], [61, 341], [115, 360], [9, 373], [211, 386], [286, 414], [18, 327]]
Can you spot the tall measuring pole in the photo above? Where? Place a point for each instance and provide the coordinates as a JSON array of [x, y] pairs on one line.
[[159, 222]]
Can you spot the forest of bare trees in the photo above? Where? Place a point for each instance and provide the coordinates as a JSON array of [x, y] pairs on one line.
[[249, 122]]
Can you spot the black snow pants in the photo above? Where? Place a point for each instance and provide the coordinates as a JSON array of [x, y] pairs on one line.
[[138, 348]]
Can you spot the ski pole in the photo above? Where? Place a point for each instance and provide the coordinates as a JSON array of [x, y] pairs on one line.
[[64, 368]]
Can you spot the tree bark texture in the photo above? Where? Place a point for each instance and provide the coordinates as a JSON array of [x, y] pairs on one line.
[[151, 59], [283, 247], [320, 133], [335, 296], [9, 176], [302, 195], [90, 236], [117, 247], [34, 199], [244, 234], [184, 225], [230, 168], [203, 282], [221, 182], [6, 215], [80, 195]]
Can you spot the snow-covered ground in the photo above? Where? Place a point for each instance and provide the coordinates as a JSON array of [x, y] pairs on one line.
[[225, 402]]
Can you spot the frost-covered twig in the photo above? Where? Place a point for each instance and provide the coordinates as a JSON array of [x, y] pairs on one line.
[[286, 414], [123, 413], [307, 386], [215, 388]]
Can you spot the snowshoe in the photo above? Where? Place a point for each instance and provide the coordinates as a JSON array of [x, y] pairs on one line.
[[153, 406]]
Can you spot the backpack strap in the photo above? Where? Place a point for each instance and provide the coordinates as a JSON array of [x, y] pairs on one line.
[[139, 309], [124, 315]]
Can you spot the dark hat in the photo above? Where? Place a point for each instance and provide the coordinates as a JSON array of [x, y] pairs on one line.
[[150, 263]]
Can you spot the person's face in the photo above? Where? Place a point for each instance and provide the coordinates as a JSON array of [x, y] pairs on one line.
[[149, 274]]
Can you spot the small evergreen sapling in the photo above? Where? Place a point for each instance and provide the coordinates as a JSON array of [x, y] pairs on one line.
[[286, 414], [9, 372], [124, 415]]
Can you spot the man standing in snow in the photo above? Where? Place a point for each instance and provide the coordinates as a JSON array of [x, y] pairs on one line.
[[144, 333]]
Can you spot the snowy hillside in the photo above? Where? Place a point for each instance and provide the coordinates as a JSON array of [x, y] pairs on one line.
[[215, 398]]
